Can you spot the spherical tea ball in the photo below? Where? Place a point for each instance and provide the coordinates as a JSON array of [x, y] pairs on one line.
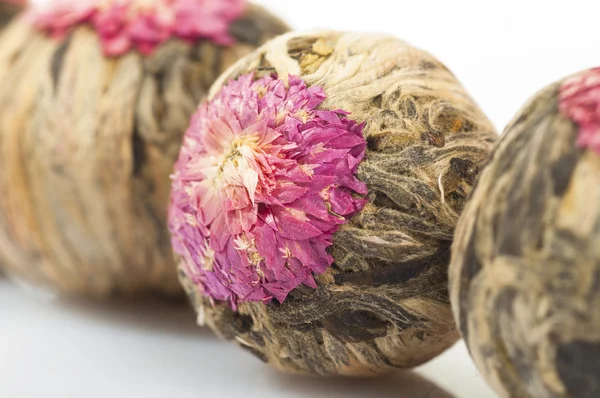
[[8, 9], [525, 272], [315, 197], [94, 99]]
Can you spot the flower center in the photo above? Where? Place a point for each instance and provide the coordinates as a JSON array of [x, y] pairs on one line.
[[240, 167]]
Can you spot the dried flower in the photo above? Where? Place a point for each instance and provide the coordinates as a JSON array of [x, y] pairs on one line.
[[319, 175], [263, 181], [525, 271], [140, 24], [580, 102]]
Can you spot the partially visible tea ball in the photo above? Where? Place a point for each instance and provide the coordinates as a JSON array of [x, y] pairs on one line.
[[315, 198], [95, 97], [9, 9], [525, 272]]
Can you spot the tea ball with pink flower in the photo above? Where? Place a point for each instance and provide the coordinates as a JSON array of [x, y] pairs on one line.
[[95, 96], [525, 270], [314, 201]]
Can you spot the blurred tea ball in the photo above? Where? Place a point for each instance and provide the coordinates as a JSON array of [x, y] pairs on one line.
[[94, 99], [9, 9], [525, 272], [315, 198]]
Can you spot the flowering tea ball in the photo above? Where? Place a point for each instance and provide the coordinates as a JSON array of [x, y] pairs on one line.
[[525, 272], [315, 197], [97, 97]]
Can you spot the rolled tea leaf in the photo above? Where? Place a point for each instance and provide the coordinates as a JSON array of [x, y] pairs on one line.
[[315, 198], [94, 99], [525, 273]]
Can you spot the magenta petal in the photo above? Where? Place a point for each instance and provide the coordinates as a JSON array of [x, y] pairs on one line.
[[116, 45], [310, 282], [290, 226], [288, 193], [278, 291], [312, 205], [301, 250], [260, 294], [239, 221], [219, 234], [266, 243], [342, 202], [211, 284]]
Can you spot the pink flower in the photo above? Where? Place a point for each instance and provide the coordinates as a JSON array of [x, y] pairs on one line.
[[140, 24], [580, 102], [58, 17], [263, 181]]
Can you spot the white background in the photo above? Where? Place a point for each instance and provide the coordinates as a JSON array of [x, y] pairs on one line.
[[502, 51]]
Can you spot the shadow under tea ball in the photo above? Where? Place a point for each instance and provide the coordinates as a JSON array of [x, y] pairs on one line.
[[315, 198], [94, 100], [525, 271]]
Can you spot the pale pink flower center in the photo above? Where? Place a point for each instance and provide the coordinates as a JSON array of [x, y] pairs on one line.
[[236, 165]]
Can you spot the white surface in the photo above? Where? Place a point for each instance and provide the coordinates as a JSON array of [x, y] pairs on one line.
[[502, 51], [61, 349]]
